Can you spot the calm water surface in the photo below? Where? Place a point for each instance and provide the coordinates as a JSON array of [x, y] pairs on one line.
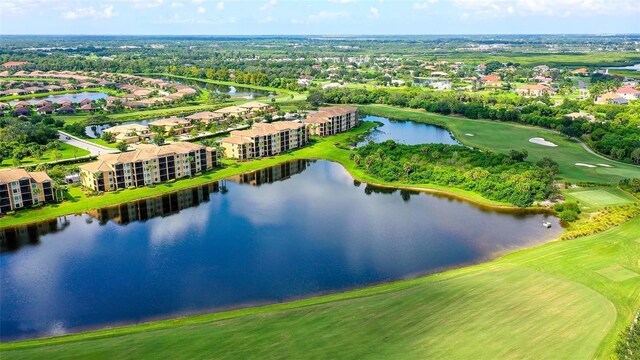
[[290, 231], [77, 97], [408, 132], [233, 91]]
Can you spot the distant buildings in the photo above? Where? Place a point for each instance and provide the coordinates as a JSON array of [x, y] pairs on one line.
[[611, 98], [148, 164], [21, 189], [628, 93], [533, 90], [331, 120]]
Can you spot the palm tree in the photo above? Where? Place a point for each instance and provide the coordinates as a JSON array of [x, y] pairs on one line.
[[407, 168]]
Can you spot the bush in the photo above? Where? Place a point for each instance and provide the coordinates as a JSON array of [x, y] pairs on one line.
[[568, 211]]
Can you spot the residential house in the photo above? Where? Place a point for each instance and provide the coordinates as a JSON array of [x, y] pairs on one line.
[[146, 165], [178, 125], [66, 109], [628, 93], [533, 90], [581, 115], [492, 80], [22, 189], [611, 98], [129, 133]]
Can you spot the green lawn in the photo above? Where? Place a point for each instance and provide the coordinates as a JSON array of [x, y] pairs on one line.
[[66, 151], [598, 197], [562, 300], [502, 137]]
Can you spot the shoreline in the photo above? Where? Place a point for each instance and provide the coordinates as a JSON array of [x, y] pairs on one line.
[[322, 149]]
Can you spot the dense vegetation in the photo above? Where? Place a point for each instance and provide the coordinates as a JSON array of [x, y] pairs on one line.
[[604, 219], [495, 176], [629, 344], [20, 139], [617, 137]]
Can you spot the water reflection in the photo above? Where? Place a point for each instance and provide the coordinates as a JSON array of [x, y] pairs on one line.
[[407, 132], [293, 230]]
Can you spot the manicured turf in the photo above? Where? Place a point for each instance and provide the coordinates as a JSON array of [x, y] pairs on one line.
[[502, 137], [550, 302], [66, 152], [597, 197]]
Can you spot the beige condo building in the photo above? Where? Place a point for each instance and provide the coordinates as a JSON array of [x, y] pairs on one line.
[[265, 140], [331, 120], [146, 165]]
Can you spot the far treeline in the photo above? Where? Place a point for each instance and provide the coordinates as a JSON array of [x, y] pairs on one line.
[[618, 136], [504, 178]]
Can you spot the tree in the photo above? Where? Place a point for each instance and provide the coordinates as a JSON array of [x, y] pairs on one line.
[[107, 136], [122, 146], [57, 155], [159, 139], [316, 98], [518, 155], [635, 156]]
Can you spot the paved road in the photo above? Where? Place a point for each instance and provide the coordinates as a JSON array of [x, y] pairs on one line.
[[95, 149]]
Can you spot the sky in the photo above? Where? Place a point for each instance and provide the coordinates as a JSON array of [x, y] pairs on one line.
[[288, 17]]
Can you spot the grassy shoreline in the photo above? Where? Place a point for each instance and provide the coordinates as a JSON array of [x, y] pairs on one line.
[[322, 149]]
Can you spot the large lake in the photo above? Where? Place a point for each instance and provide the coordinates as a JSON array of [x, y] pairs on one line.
[[76, 97], [290, 231]]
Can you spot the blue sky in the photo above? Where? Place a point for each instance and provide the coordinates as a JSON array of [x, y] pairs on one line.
[[229, 17]]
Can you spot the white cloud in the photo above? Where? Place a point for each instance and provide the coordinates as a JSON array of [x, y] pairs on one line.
[[201, 10], [563, 8], [176, 4], [220, 5], [197, 2], [340, 1], [327, 15], [90, 13], [266, 20], [268, 5], [144, 4], [297, 21], [374, 13]]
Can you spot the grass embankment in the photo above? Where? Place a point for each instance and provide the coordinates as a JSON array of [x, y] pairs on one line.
[[562, 300], [503, 137], [625, 72], [66, 152], [320, 149]]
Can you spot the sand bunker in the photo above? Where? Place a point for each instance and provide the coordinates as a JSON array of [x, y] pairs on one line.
[[585, 165], [469, 134], [605, 165], [541, 141]]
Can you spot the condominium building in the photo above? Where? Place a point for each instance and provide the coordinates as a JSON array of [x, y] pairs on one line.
[[265, 140], [21, 189], [331, 120], [146, 165]]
